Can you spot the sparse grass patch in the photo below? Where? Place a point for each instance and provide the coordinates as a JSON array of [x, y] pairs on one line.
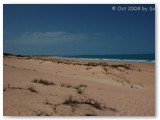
[[11, 87], [91, 64], [66, 85], [83, 85], [105, 69], [41, 113], [71, 101], [44, 82], [32, 89], [112, 109], [88, 68], [47, 102], [80, 88]]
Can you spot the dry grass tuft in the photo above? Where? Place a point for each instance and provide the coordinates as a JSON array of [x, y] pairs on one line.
[[44, 82], [32, 89], [66, 85], [71, 101], [80, 88]]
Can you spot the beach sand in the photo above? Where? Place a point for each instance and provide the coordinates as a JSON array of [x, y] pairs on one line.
[[44, 86]]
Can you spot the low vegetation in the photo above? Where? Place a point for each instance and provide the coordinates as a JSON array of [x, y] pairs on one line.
[[66, 85], [80, 88], [71, 101], [32, 89], [44, 82], [11, 87]]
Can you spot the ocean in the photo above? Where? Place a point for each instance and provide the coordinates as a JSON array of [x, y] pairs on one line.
[[149, 58]]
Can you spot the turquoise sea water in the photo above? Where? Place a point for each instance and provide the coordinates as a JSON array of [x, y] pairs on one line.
[[126, 57]]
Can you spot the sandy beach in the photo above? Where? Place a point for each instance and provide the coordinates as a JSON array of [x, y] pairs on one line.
[[45, 86]]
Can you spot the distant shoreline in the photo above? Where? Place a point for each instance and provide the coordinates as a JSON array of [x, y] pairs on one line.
[[70, 60], [106, 58], [115, 60]]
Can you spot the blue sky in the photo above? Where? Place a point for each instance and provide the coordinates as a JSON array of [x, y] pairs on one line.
[[77, 29]]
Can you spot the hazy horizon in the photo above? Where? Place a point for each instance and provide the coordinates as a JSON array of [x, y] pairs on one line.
[[79, 54]]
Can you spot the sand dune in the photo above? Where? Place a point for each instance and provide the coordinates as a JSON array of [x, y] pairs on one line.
[[44, 86]]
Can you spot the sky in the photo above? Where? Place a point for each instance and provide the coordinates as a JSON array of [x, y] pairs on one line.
[[91, 29]]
